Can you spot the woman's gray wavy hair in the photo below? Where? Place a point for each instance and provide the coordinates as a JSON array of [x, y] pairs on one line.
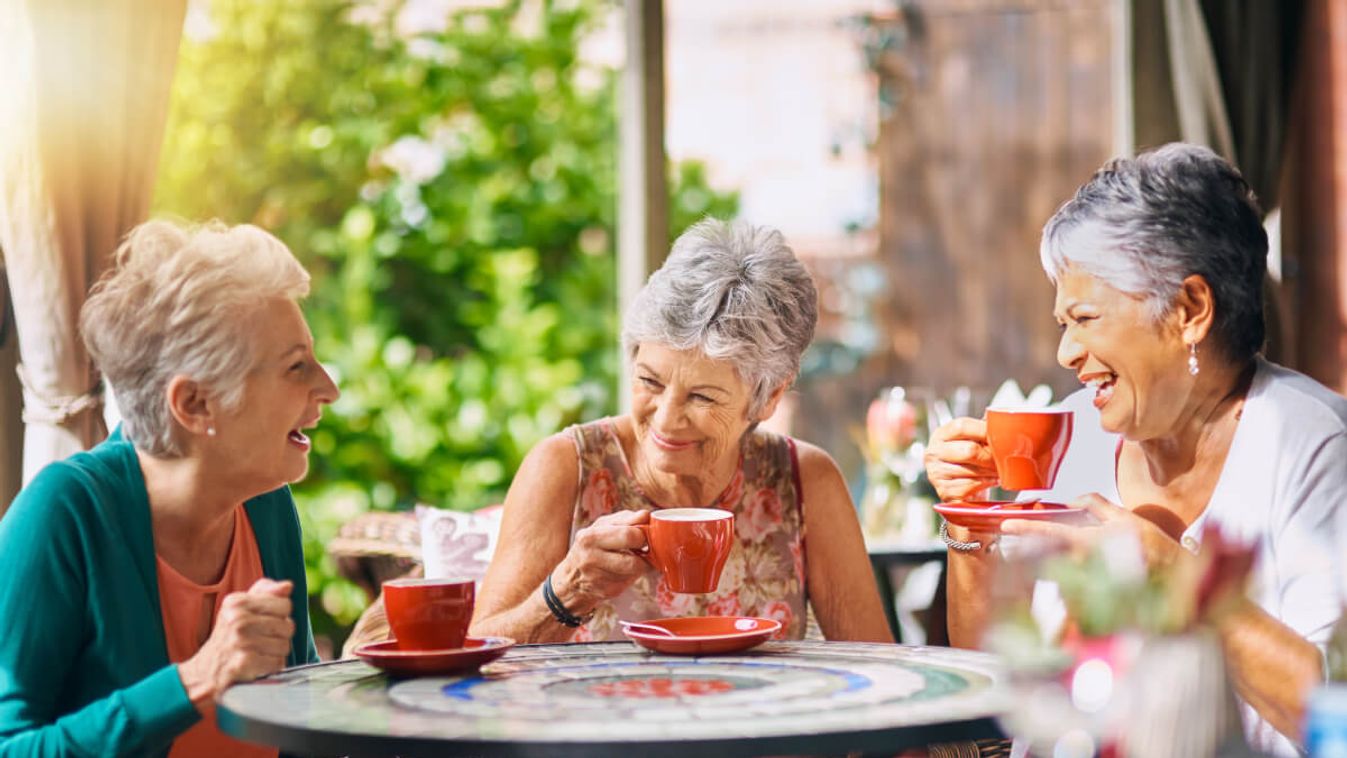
[[1145, 224], [183, 301], [733, 292]]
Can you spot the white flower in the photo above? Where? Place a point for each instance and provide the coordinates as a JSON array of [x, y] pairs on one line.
[[1009, 395], [423, 17], [414, 159]]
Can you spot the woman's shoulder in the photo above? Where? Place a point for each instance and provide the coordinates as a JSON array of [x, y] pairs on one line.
[[1295, 402], [811, 461], [598, 435], [90, 492], [552, 462], [107, 472]]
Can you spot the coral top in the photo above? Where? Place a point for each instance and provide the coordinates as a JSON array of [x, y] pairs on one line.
[[189, 611], [765, 573]]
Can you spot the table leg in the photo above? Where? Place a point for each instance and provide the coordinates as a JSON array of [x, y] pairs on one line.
[[887, 595]]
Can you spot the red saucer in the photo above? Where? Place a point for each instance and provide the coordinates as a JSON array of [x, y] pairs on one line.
[[987, 515], [476, 651], [705, 635]]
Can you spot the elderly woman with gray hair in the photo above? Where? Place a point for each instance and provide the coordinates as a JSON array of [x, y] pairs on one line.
[[714, 340], [1159, 264], [143, 577]]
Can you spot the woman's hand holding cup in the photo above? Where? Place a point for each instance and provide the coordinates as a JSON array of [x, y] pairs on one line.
[[602, 562], [250, 639], [959, 462]]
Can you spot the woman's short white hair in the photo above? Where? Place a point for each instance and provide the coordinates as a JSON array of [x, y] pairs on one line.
[[1144, 224], [183, 301], [733, 292]]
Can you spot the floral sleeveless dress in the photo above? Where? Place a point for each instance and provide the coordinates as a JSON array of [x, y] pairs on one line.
[[765, 574]]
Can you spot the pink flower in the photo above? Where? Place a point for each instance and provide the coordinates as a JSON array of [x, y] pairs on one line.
[[600, 495], [674, 603], [760, 517], [583, 634], [797, 557], [725, 605], [780, 611], [891, 422]]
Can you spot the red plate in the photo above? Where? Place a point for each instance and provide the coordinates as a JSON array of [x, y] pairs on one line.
[[476, 651], [705, 635], [987, 515]]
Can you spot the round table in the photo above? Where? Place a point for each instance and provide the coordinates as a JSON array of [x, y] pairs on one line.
[[614, 698]]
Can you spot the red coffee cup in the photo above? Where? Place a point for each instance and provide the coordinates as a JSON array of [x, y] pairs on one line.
[[429, 614], [1028, 445], [690, 546]]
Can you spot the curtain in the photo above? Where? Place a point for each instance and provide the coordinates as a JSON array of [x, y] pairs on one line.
[[1220, 73], [1217, 73], [84, 88]]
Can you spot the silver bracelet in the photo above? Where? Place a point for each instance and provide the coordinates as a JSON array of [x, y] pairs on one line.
[[956, 545]]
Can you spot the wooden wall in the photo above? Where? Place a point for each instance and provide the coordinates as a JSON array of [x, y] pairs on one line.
[[1002, 110], [996, 110]]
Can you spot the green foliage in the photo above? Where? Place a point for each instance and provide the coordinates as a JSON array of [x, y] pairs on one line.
[[453, 194]]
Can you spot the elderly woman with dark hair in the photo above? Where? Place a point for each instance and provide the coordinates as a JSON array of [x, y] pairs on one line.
[[714, 341], [1159, 264], [143, 577]]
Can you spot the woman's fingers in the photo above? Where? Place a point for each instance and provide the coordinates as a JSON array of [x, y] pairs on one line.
[[963, 428], [610, 537], [250, 638], [623, 518], [958, 462], [1100, 507], [1020, 527]]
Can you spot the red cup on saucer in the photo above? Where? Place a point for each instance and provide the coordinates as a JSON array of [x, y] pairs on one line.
[[690, 546], [429, 614], [1028, 445]]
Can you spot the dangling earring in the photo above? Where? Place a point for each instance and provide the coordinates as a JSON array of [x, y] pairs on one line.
[[1192, 358], [210, 430]]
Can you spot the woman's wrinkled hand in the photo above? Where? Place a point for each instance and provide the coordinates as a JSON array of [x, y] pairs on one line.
[[958, 462], [602, 561], [1158, 547], [250, 639]]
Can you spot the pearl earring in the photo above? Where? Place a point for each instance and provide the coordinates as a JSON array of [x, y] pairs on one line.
[[210, 431], [1192, 359]]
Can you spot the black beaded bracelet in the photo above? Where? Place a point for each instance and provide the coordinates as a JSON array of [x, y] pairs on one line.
[[558, 608]]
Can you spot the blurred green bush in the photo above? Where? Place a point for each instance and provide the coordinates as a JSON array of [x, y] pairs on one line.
[[449, 179]]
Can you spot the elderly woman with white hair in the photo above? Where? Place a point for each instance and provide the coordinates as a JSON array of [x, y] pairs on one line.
[[143, 577], [714, 340], [1159, 264]]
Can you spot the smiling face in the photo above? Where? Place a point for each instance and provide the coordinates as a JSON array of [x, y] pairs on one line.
[[262, 440], [1136, 365], [688, 412]]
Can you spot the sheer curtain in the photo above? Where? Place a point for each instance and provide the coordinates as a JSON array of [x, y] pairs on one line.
[[1220, 74], [84, 92]]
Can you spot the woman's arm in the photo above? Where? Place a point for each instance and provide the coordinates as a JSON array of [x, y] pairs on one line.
[[535, 542], [967, 578], [959, 464], [1272, 666], [44, 606], [1275, 661], [840, 581]]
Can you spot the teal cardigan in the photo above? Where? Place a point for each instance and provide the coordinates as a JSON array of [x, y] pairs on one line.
[[84, 666]]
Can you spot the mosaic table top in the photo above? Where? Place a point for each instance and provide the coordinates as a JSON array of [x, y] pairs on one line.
[[614, 698]]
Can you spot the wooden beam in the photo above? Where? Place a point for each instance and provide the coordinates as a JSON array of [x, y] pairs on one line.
[[11, 404], [643, 208], [1314, 224]]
